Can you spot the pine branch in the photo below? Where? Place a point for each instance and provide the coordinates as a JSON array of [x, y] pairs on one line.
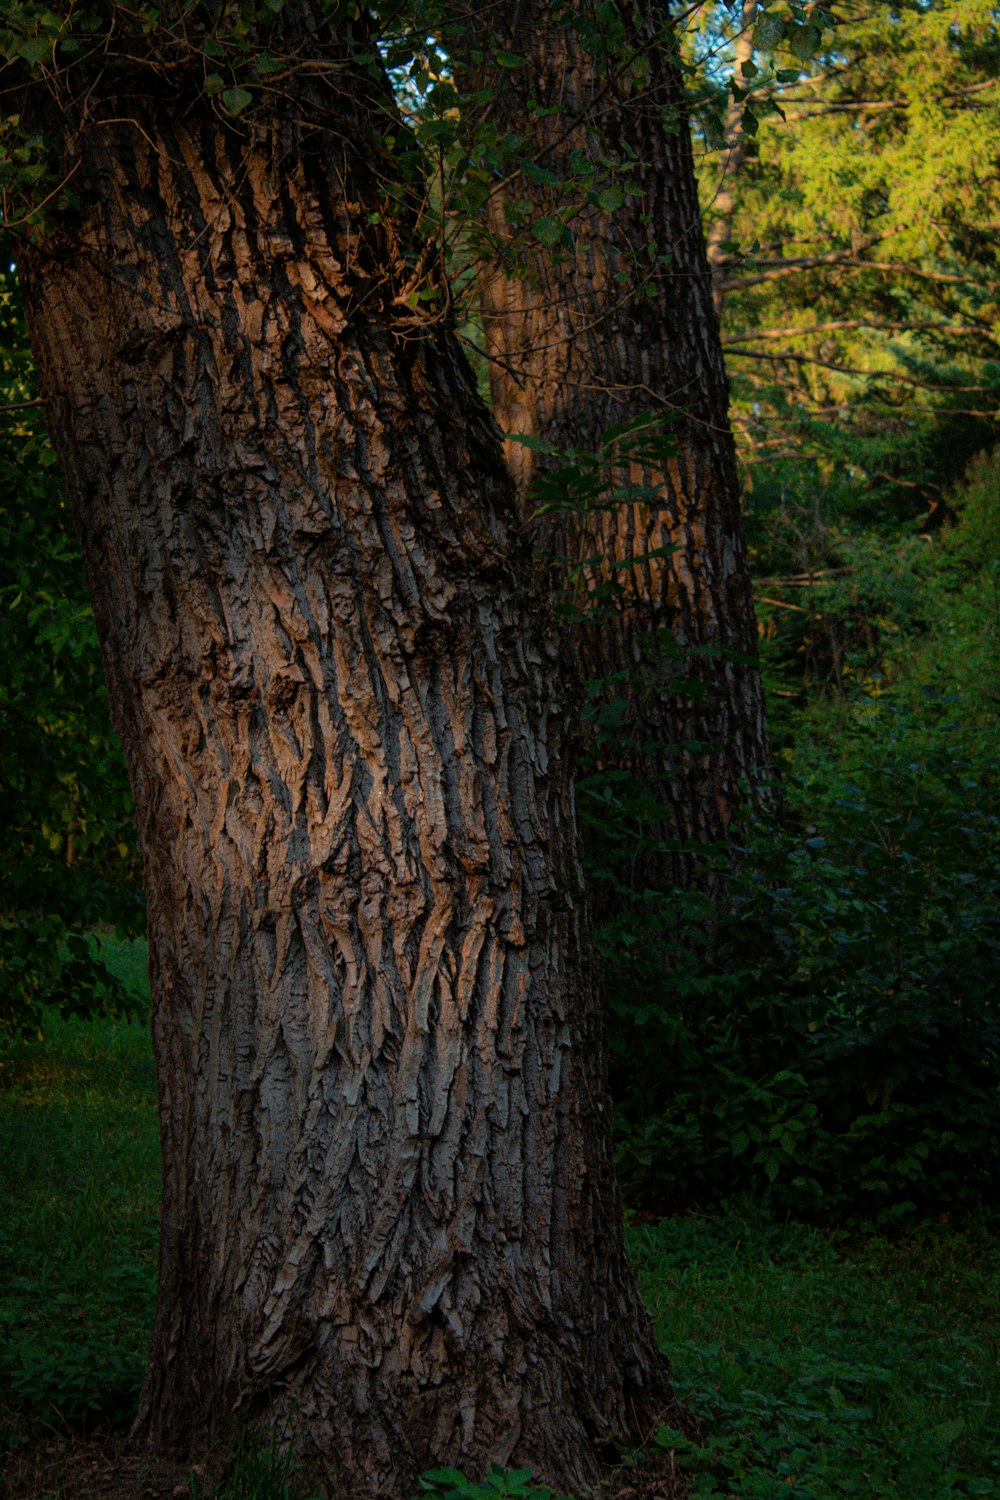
[[874, 375], [873, 106], [901, 326], [849, 260]]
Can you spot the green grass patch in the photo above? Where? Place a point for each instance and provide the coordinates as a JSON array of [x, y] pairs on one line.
[[79, 1206], [825, 1368], [128, 960], [820, 1367]]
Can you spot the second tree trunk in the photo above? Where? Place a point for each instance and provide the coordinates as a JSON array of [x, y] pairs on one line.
[[613, 324]]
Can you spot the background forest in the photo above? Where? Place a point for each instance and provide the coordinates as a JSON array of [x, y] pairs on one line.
[[844, 1053], [831, 1055]]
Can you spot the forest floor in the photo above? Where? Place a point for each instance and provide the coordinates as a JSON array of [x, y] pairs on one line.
[[819, 1364], [64, 1467]]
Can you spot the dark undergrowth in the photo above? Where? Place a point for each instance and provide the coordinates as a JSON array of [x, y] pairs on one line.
[[821, 1364]]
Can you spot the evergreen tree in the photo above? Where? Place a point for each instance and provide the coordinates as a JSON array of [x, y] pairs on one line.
[[862, 321]]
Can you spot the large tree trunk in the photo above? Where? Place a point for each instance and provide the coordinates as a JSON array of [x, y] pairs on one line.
[[389, 1216], [617, 326]]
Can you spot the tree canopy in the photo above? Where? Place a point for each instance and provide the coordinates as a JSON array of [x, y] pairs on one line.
[[860, 289]]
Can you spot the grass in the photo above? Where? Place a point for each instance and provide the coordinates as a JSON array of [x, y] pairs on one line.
[[821, 1367], [824, 1367], [79, 1202]]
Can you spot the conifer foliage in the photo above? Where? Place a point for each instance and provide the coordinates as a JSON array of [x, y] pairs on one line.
[[861, 287]]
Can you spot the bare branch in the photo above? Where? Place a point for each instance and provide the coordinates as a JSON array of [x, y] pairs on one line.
[[12, 406]]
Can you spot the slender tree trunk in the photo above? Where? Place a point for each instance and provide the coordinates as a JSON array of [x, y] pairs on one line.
[[617, 325], [389, 1215], [724, 204]]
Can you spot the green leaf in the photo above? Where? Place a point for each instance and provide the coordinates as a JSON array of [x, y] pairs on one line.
[[805, 42], [768, 32], [542, 175], [236, 100], [512, 1477], [443, 1476], [214, 48], [214, 83], [508, 60], [536, 444], [947, 1433], [35, 50], [610, 199], [548, 231]]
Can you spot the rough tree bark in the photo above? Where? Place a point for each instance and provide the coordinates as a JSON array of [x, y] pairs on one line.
[[389, 1217], [620, 325]]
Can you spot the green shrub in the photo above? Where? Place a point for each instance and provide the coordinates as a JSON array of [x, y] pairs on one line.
[[67, 840], [83, 1381], [827, 1365], [499, 1484], [79, 1210], [841, 1053], [835, 1050]]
